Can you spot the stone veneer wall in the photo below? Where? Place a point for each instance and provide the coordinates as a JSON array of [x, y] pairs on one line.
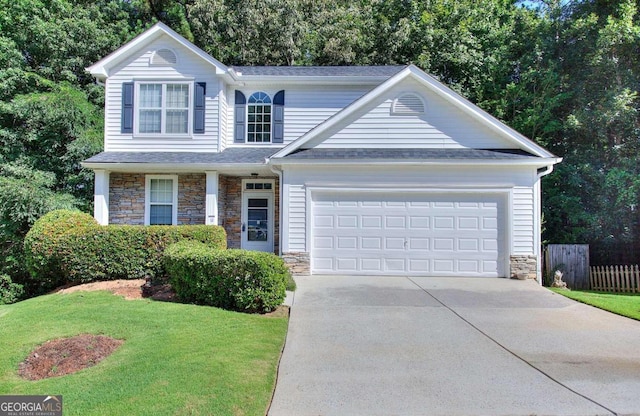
[[524, 267], [230, 209], [126, 198], [298, 263], [192, 195], [127, 193]]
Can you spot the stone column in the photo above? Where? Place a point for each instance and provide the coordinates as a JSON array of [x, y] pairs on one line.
[[101, 197], [211, 202]]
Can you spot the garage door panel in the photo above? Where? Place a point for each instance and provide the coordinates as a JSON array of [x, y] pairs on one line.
[[375, 233]]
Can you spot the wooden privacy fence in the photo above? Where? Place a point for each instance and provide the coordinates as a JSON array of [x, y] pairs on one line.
[[615, 278], [572, 260]]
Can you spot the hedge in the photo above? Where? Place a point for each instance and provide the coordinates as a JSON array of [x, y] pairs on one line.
[[79, 251], [41, 244], [240, 280]]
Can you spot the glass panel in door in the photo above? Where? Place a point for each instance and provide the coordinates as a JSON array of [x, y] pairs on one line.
[[258, 219]]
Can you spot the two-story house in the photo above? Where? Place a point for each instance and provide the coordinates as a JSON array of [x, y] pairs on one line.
[[358, 170]]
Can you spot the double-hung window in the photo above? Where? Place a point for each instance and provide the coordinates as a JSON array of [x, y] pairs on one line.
[[163, 108], [161, 200]]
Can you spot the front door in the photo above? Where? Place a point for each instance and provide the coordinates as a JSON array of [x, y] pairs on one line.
[[257, 220]]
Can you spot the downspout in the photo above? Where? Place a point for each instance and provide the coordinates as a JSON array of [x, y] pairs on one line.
[[540, 173], [278, 172]]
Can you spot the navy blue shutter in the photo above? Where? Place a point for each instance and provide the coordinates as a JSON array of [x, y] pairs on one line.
[[278, 117], [199, 107], [241, 110], [126, 123]]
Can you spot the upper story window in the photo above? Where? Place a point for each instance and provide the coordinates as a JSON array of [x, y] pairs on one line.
[[259, 118], [163, 108], [158, 108]]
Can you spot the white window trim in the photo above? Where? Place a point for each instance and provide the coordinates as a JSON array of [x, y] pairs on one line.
[[147, 197], [163, 82], [246, 132]]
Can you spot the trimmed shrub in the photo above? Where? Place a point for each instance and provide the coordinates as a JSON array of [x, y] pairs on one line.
[[10, 292], [241, 280], [70, 247], [41, 244], [127, 251]]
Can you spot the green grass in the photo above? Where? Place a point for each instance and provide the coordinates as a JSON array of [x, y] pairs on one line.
[[622, 304], [176, 359]]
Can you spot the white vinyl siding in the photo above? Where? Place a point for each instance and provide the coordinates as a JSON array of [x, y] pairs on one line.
[[441, 126], [189, 69], [524, 223]]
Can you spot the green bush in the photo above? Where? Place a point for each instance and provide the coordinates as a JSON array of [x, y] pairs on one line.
[[127, 251], [247, 281], [70, 247], [41, 244], [10, 292]]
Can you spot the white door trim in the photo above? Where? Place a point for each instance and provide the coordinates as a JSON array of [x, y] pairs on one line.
[[267, 194]]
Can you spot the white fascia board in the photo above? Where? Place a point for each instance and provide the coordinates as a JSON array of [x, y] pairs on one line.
[[101, 68], [541, 162]]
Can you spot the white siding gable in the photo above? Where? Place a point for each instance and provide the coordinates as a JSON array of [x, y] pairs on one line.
[[138, 67], [441, 126]]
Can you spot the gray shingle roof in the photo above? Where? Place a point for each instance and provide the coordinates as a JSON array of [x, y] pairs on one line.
[[240, 155], [400, 154], [321, 71], [257, 155]]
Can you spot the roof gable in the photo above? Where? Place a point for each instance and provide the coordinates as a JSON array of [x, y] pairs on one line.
[[414, 80], [102, 68]]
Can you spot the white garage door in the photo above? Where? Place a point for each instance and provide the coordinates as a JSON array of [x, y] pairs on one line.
[[407, 233]]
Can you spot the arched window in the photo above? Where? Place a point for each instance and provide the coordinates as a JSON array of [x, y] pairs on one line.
[[259, 118]]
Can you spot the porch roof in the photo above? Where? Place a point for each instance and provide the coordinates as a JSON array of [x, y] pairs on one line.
[[237, 155]]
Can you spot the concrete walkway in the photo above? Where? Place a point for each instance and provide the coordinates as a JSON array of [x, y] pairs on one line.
[[452, 346]]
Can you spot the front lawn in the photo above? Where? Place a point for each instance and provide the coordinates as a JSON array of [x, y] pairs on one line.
[[622, 304], [176, 359]]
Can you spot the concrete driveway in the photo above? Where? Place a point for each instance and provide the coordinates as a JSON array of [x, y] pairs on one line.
[[452, 346]]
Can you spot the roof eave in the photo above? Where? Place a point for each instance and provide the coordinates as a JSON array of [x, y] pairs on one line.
[[535, 162]]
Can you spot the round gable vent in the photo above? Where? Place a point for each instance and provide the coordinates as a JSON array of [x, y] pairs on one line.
[[408, 104], [164, 57]]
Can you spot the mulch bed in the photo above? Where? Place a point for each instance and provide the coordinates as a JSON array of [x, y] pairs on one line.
[[67, 355]]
